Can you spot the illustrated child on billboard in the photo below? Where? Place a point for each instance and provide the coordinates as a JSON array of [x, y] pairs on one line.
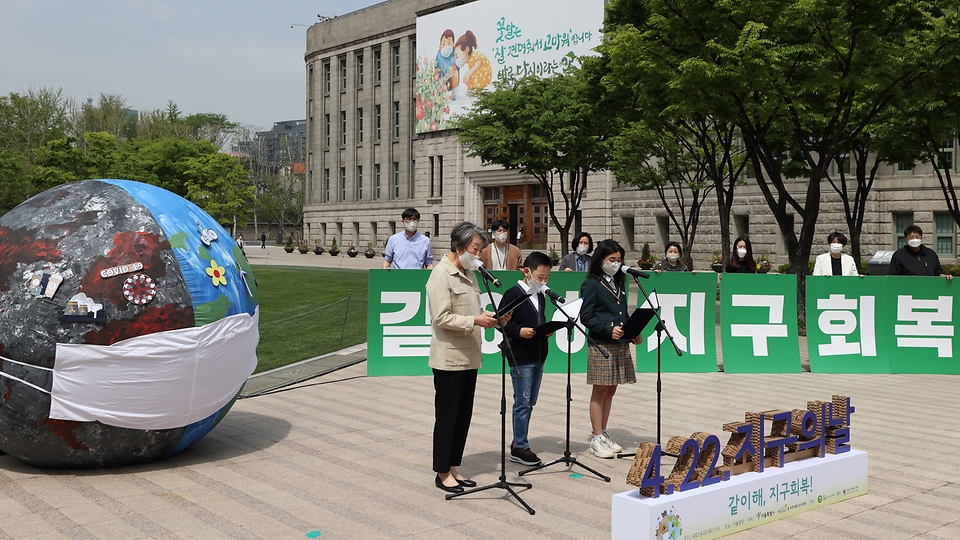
[[475, 70], [446, 63]]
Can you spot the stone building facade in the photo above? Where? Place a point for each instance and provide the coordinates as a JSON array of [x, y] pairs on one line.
[[365, 165]]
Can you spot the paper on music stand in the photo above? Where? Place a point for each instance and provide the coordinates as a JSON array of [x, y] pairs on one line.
[[503, 310], [641, 316], [550, 327]]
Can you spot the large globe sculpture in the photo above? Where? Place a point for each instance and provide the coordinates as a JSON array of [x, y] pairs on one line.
[[128, 325]]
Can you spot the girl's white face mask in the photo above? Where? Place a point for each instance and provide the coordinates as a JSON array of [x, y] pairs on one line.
[[741, 253], [611, 268]]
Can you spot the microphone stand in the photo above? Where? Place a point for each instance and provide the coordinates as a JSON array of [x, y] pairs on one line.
[[568, 458], [502, 482], [661, 327]]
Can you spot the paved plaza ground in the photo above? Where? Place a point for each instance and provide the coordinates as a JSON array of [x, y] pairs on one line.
[[346, 456]]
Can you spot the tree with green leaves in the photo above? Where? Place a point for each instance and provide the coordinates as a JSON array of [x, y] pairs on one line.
[[217, 183], [31, 119], [800, 79], [548, 128]]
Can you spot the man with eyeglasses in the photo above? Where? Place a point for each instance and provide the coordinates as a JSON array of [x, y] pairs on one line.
[[408, 249], [915, 259]]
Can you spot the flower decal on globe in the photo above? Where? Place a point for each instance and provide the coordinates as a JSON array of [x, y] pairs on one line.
[[216, 273]]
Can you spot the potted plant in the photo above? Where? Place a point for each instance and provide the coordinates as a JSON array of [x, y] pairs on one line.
[[763, 264], [554, 255], [318, 249], [369, 253], [352, 251], [288, 247], [716, 262], [334, 250], [303, 248], [647, 259]]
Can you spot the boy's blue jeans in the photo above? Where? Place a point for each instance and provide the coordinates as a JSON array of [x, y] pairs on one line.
[[525, 392]]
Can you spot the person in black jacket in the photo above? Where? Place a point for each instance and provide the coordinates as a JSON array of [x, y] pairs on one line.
[[604, 313], [529, 350], [915, 259]]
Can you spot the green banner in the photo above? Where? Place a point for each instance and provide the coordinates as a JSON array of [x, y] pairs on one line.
[[688, 307], [398, 323], [758, 323], [881, 324]]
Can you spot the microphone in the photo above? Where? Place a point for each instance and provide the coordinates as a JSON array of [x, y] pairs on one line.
[[557, 299], [634, 272], [478, 266]]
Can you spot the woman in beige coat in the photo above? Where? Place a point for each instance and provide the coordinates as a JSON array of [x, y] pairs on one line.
[[453, 295]]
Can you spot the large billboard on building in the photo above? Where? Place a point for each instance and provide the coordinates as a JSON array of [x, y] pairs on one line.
[[466, 48]]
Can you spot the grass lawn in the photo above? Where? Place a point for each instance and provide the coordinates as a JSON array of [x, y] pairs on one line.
[[295, 325]]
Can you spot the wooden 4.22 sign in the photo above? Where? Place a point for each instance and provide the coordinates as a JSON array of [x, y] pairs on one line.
[[822, 428]]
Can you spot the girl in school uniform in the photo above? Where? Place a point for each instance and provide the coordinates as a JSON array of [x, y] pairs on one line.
[[604, 313]]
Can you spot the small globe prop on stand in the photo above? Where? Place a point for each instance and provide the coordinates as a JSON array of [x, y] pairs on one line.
[[129, 325]]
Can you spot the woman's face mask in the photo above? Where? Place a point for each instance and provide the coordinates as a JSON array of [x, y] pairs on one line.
[[582, 250], [673, 257], [501, 238], [611, 268], [836, 248], [466, 260], [741, 253]]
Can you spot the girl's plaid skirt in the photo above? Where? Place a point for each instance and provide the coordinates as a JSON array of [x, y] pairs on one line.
[[618, 369]]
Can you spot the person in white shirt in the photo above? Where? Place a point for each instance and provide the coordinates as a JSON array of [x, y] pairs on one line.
[[834, 262], [501, 254]]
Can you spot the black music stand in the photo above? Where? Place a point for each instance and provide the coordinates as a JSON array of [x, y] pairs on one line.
[[502, 482], [568, 458], [660, 328]]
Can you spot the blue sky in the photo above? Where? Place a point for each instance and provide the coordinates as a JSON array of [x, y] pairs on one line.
[[239, 58]]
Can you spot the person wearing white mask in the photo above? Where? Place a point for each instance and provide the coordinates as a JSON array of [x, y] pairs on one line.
[[501, 254], [915, 259], [741, 259], [453, 296], [672, 259], [579, 260], [604, 312], [834, 262], [408, 249], [527, 351]]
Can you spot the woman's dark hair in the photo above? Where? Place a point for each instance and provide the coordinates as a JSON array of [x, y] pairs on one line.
[[463, 233], [576, 241], [748, 261], [838, 236], [673, 243], [604, 249]]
